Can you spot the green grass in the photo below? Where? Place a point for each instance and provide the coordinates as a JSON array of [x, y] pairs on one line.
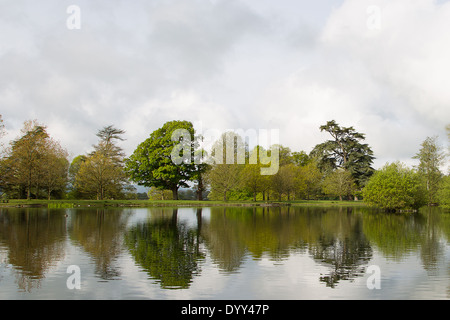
[[170, 203], [345, 203]]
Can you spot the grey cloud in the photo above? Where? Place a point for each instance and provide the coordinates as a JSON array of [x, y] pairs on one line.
[[238, 64]]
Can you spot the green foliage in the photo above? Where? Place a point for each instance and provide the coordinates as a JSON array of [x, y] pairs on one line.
[[443, 194], [60, 205], [101, 174], [339, 183], [395, 187], [101, 178], [344, 151], [74, 167], [158, 194], [301, 158], [151, 163], [167, 250], [252, 180], [223, 178], [35, 164], [286, 181], [36, 167], [250, 176], [431, 158], [311, 178]]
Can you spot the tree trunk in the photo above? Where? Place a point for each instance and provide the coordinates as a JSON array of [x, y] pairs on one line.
[[175, 193], [200, 188]]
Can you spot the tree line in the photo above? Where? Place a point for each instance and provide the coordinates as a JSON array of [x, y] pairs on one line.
[[35, 165]]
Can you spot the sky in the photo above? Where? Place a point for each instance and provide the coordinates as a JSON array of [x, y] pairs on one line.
[[381, 66]]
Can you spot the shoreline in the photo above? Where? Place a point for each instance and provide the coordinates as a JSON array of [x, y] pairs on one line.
[[56, 204]]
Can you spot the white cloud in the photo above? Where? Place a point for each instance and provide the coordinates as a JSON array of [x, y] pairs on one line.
[[291, 65], [388, 83]]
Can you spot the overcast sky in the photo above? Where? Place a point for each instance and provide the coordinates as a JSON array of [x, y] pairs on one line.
[[381, 66]]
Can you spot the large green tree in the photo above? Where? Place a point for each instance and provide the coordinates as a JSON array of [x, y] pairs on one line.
[[345, 150], [152, 164], [35, 163], [27, 154], [227, 162], [430, 158], [101, 175]]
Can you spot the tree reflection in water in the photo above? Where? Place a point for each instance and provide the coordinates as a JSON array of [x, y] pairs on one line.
[[173, 249], [332, 236], [167, 249], [34, 239], [99, 232]]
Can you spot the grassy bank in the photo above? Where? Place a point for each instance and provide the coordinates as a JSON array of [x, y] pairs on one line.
[[170, 203]]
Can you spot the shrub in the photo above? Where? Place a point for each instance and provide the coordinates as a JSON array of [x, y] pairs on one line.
[[395, 187], [444, 192]]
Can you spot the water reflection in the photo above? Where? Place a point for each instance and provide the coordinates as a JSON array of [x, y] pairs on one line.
[[34, 239], [333, 237], [340, 244], [99, 233], [174, 246], [399, 236], [168, 250]]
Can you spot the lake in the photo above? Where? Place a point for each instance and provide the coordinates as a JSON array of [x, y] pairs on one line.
[[223, 253]]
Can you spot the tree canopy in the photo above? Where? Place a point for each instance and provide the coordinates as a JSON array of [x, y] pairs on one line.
[[345, 151], [34, 163], [430, 158], [36, 166], [151, 164], [101, 174], [395, 187]]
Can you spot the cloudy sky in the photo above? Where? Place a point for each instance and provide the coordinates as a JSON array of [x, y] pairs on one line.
[[381, 66]]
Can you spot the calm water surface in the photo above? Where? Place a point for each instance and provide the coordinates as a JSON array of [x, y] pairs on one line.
[[223, 253]]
